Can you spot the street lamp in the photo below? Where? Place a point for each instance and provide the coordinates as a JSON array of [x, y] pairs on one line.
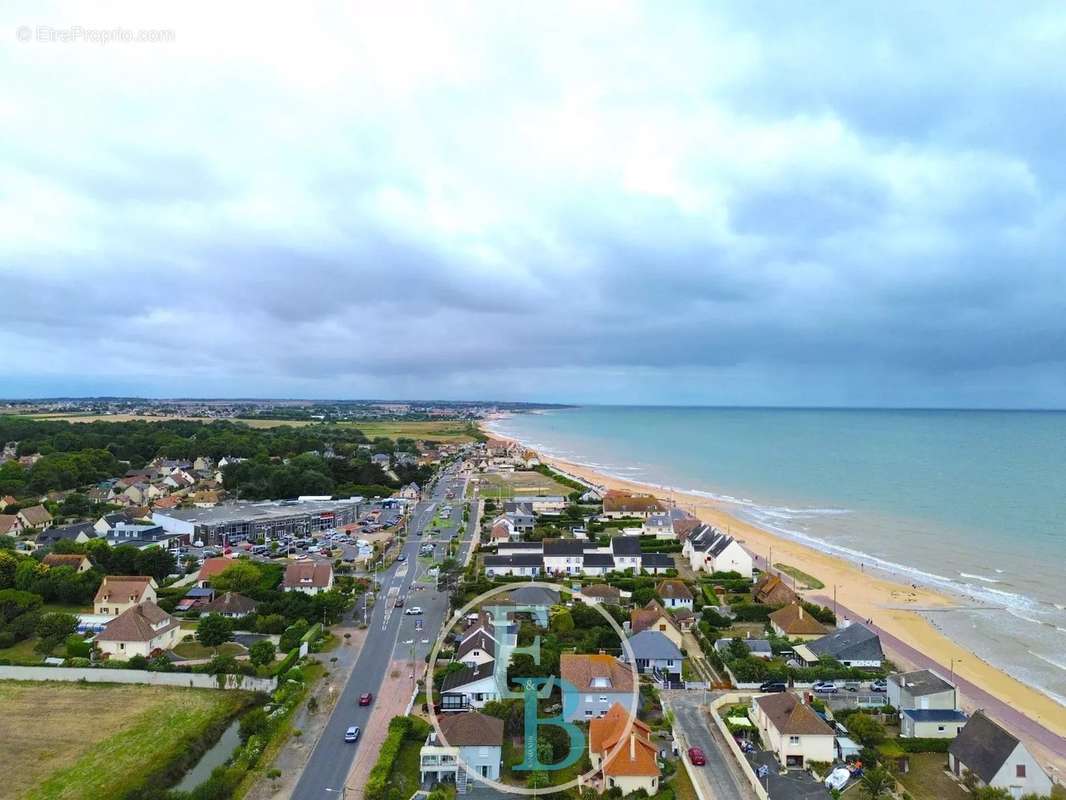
[[953, 668], [343, 791]]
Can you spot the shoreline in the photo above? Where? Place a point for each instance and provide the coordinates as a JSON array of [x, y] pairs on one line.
[[894, 607]]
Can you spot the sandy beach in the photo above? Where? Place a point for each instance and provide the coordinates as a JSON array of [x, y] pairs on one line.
[[892, 606]]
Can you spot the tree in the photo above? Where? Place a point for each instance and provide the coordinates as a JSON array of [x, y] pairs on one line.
[[54, 628], [737, 648], [262, 653], [254, 723], [562, 622], [867, 730], [876, 783], [242, 576], [213, 630]]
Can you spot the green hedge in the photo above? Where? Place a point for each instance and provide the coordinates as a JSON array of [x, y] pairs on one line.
[[400, 728]]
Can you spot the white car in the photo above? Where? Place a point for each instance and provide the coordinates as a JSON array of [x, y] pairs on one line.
[[825, 687], [413, 610]]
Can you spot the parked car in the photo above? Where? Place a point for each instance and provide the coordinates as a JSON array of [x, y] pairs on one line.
[[352, 734], [413, 610], [880, 685], [695, 755], [402, 557], [366, 698], [773, 686], [825, 687]]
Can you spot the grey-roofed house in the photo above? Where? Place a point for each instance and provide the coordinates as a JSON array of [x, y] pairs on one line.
[[81, 532], [853, 646], [564, 556], [656, 654], [626, 552], [920, 689], [995, 757], [931, 723], [534, 595], [515, 563], [477, 649], [598, 564], [470, 687], [657, 563], [760, 648]]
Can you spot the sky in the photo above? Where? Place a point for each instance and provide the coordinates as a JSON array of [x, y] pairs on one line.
[[605, 202]]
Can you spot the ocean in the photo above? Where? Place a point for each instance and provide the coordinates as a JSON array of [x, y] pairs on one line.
[[972, 503]]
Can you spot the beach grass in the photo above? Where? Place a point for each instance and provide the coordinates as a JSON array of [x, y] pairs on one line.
[[809, 581], [83, 741]]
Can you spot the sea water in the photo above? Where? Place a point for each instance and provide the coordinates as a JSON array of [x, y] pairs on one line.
[[969, 502]]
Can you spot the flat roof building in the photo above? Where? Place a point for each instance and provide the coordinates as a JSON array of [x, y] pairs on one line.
[[230, 523]]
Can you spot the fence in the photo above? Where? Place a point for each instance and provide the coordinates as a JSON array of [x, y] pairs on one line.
[[186, 679], [727, 700]]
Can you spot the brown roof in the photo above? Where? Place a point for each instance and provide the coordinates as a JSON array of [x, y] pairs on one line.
[[8, 522], [641, 619], [636, 757], [308, 573], [63, 560], [36, 515], [795, 621], [471, 729], [602, 590], [123, 587], [771, 590], [214, 566], [674, 589], [790, 716], [138, 624], [685, 526], [230, 603], [170, 501], [579, 670], [622, 501]]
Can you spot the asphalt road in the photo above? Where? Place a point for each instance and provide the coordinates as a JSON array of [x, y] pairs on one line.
[[391, 635], [717, 776]]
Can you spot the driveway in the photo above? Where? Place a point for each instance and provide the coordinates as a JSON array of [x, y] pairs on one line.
[[793, 785], [718, 779]]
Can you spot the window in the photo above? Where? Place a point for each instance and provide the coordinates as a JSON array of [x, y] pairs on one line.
[[588, 698], [603, 698], [794, 740], [1019, 771], [940, 728], [588, 712]]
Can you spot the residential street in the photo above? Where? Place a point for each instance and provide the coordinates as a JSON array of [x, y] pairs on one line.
[[717, 779], [392, 636]]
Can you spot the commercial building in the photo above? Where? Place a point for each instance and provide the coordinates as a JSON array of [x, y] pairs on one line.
[[230, 523]]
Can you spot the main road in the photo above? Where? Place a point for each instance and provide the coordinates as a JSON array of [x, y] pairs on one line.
[[392, 635]]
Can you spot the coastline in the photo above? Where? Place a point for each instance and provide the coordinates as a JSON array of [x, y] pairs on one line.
[[894, 607]]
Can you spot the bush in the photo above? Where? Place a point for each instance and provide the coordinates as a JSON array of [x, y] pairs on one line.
[[377, 787], [78, 647], [254, 723]]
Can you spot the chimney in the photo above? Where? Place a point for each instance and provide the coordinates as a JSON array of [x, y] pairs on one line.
[[801, 612], [632, 746]]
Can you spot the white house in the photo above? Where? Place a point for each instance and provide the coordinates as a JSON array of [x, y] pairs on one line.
[[476, 650], [931, 723], [661, 526], [675, 594], [996, 758], [309, 577], [854, 645], [792, 731], [710, 550], [920, 689], [626, 552], [471, 746], [470, 687], [564, 556], [119, 593], [139, 631]]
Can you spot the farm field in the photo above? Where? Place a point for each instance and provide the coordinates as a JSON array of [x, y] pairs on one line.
[[69, 741], [516, 484]]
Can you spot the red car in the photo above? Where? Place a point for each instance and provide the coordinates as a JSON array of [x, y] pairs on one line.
[[695, 755], [365, 698]]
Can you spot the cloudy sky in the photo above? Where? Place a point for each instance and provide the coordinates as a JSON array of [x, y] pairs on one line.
[[596, 202]]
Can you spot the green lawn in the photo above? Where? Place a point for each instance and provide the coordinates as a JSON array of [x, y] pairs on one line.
[[22, 652], [927, 779], [506, 485], [681, 783], [406, 774], [800, 576], [197, 650], [72, 741]]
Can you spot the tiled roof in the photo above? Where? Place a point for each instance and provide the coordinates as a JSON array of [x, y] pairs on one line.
[[794, 620], [580, 670], [308, 573], [141, 623], [467, 675], [791, 717], [854, 643], [643, 618], [623, 502], [229, 603], [921, 682], [674, 590], [983, 746], [471, 729], [214, 566], [36, 515], [636, 757], [63, 560], [120, 588]]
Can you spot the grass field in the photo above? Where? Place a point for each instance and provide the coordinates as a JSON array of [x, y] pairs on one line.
[[517, 484], [802, 577], [449, 431], [927, 779], [69, 741], [197, 650]]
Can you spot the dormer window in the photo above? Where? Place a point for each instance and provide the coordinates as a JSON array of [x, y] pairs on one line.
[[601, 683]]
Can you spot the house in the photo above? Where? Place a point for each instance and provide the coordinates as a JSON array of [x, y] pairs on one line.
[[592, 495], [309, 577], [229, 604], [470, 687], [626, 552], [196, 597], [599, 593], [141, 536], [796, 622], [477, 649], [622, 504], [80, 533], [593, 683], [411, 492], [596, 563], [656, 654], [10, 524], [528, 564], [563, 556], [770, 590], [77, 562], [170, 501], [996, 758], [760, 648], [503, 530], [381, 459], [140, 630], [853, 646], [104, 525], [684, 527], [544, 504], [931, 723], [653, 617], [920, 689], [675, 594], [521, 515], [468, 744], [710, 550], [35, 517], [213, 567], [661, 526], [792, 731], [208, 498], [119, 593], [628, 762], [7, 500]]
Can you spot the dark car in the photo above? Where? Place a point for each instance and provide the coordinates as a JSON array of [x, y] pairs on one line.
[[366, 698], [399, 603], [773, 686], [695, 755]]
